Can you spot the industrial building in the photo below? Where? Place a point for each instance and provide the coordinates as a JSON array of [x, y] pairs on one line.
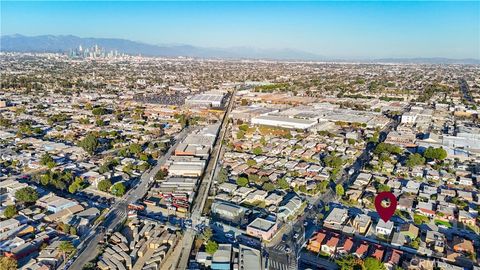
[[207, 99], [283, 122]]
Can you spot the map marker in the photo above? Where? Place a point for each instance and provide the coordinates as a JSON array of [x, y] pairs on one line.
[[385, 211]]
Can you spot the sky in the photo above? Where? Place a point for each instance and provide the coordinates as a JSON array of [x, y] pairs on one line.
[[343, 29]]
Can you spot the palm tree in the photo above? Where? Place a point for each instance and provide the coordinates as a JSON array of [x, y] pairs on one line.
[[66, 247]]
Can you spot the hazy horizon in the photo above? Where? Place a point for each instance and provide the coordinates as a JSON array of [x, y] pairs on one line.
[[344, 30]]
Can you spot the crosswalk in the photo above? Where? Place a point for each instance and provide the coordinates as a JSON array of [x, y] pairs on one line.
[[275, 265]]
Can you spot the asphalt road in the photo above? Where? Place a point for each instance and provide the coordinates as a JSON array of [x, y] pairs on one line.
[[87, 250]]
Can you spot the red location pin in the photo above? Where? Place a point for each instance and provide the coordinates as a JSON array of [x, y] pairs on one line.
[[386, 212]]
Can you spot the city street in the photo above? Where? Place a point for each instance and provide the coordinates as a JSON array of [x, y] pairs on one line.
[[87, 250]]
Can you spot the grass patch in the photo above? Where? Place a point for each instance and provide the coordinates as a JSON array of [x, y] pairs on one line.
[[444, 223], [420, 219]]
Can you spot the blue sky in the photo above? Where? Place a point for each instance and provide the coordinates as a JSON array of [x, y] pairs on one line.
[[334, 29]]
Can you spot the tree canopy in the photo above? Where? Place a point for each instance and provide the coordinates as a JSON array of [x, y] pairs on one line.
[[371, 263], [415, 160], [118, 189], [211, 247], [242, 181], [7, 263], [348, 262], [339, 190], [435, 153], [66, 247], [26, 195], [10, 211], [89, 143], [268, 186], [283, 183], [47, 160], [257, 151], [104, 185], [386, 148]]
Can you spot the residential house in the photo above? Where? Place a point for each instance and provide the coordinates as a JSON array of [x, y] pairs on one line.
[[336, 218], [392, 259], [315, 243], [409, 230], [290, 208], [361, 251], [345, 247], [361, 223], [330, 247], [384, 228], [463, 245]]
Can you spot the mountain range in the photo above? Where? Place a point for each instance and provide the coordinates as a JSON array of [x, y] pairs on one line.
[[64, 43]]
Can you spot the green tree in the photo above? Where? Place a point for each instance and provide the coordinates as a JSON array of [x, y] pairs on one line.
[[118, 189], [242, 181], [99, 111], [415, 160], [257, 151], [339, 190], [371, 263], [7, 263], [47, 160], [348, 262], [66, 247], [222, 175], [160, 175], [207, 234], [89, 143], [10, 211], [26, 195], [333, 161], [386, 148], [243, 127], [211, 247], [135, 148], [75, 185], [104, 185], [283, 183], [415, 243], [4, 122], [435, 153], [383, 188], [240, 135], [268, 186], [73, 231], [251, 162]]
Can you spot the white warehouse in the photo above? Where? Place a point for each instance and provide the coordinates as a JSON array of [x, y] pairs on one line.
[[284, 122]]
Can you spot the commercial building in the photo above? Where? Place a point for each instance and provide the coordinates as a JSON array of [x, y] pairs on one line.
[[222, 258], [229, 212], [207, 99], [249, 258], [186, 166], [262, 228], [283, 122]]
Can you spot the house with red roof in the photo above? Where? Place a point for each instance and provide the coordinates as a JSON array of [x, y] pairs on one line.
[[378, 252], [361, 251], [392, 259], [315, 243], [345, 247], [330, 247]]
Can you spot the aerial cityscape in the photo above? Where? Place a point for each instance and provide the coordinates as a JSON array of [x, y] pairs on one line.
[[122, 154]]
